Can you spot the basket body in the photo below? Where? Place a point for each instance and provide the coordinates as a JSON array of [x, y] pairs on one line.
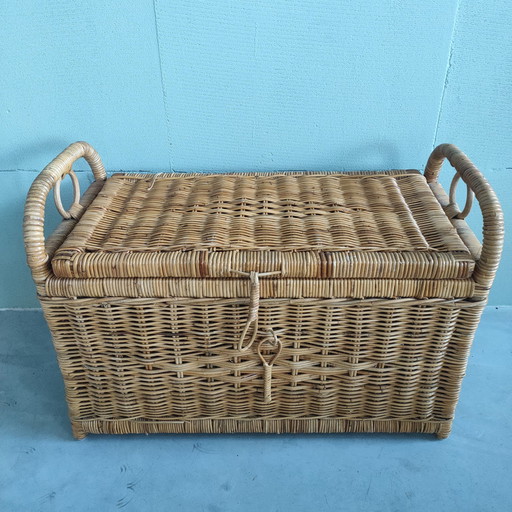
[[172, 365], [171, 338]]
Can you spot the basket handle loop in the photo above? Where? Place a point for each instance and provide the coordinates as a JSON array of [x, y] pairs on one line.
[[76, 208], [493, 229], [469, 198], [33, 221]]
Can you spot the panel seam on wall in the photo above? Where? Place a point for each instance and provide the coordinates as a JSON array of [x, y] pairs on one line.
[[164, 88], [447, 72]]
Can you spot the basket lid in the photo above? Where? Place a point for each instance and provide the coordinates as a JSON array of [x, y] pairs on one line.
[[316, 225]]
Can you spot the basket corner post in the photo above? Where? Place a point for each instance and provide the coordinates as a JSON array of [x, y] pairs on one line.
[[444, 431], [78, 432]]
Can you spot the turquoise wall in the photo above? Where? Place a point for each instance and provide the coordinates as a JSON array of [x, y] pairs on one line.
[[234, 85]]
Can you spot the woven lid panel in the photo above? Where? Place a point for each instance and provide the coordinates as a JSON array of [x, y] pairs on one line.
[[169, 225]]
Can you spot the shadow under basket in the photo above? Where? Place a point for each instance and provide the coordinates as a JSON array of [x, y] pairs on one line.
[[263, 302]]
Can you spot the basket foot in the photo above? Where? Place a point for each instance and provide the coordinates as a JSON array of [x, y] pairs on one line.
[[78, 431], [445, 431]]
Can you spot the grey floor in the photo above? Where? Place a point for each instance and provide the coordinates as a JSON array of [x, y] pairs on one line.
[[43, 468]]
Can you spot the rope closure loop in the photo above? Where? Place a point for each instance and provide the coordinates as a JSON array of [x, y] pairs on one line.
[[254, 306], [275, 343]]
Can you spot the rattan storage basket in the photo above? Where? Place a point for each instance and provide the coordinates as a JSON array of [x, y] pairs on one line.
[[263, 302]]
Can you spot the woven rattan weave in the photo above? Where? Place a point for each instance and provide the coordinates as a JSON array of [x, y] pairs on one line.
[[263, 302]]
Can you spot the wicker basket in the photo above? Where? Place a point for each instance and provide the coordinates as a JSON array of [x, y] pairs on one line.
[[260, 302]]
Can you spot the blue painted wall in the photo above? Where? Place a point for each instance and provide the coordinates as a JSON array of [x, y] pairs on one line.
[[225, 85]]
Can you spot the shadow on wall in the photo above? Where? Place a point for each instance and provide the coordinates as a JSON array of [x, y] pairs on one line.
[[24, 154], [372, 156]]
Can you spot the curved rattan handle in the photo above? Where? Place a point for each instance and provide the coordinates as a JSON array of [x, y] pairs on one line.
[[33, 220], [493, 230]]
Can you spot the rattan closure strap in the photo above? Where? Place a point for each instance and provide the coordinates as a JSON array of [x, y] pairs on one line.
[[276, 344], [254, 305]]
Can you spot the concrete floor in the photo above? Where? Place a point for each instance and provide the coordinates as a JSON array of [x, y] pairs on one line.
[[43, 468]]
